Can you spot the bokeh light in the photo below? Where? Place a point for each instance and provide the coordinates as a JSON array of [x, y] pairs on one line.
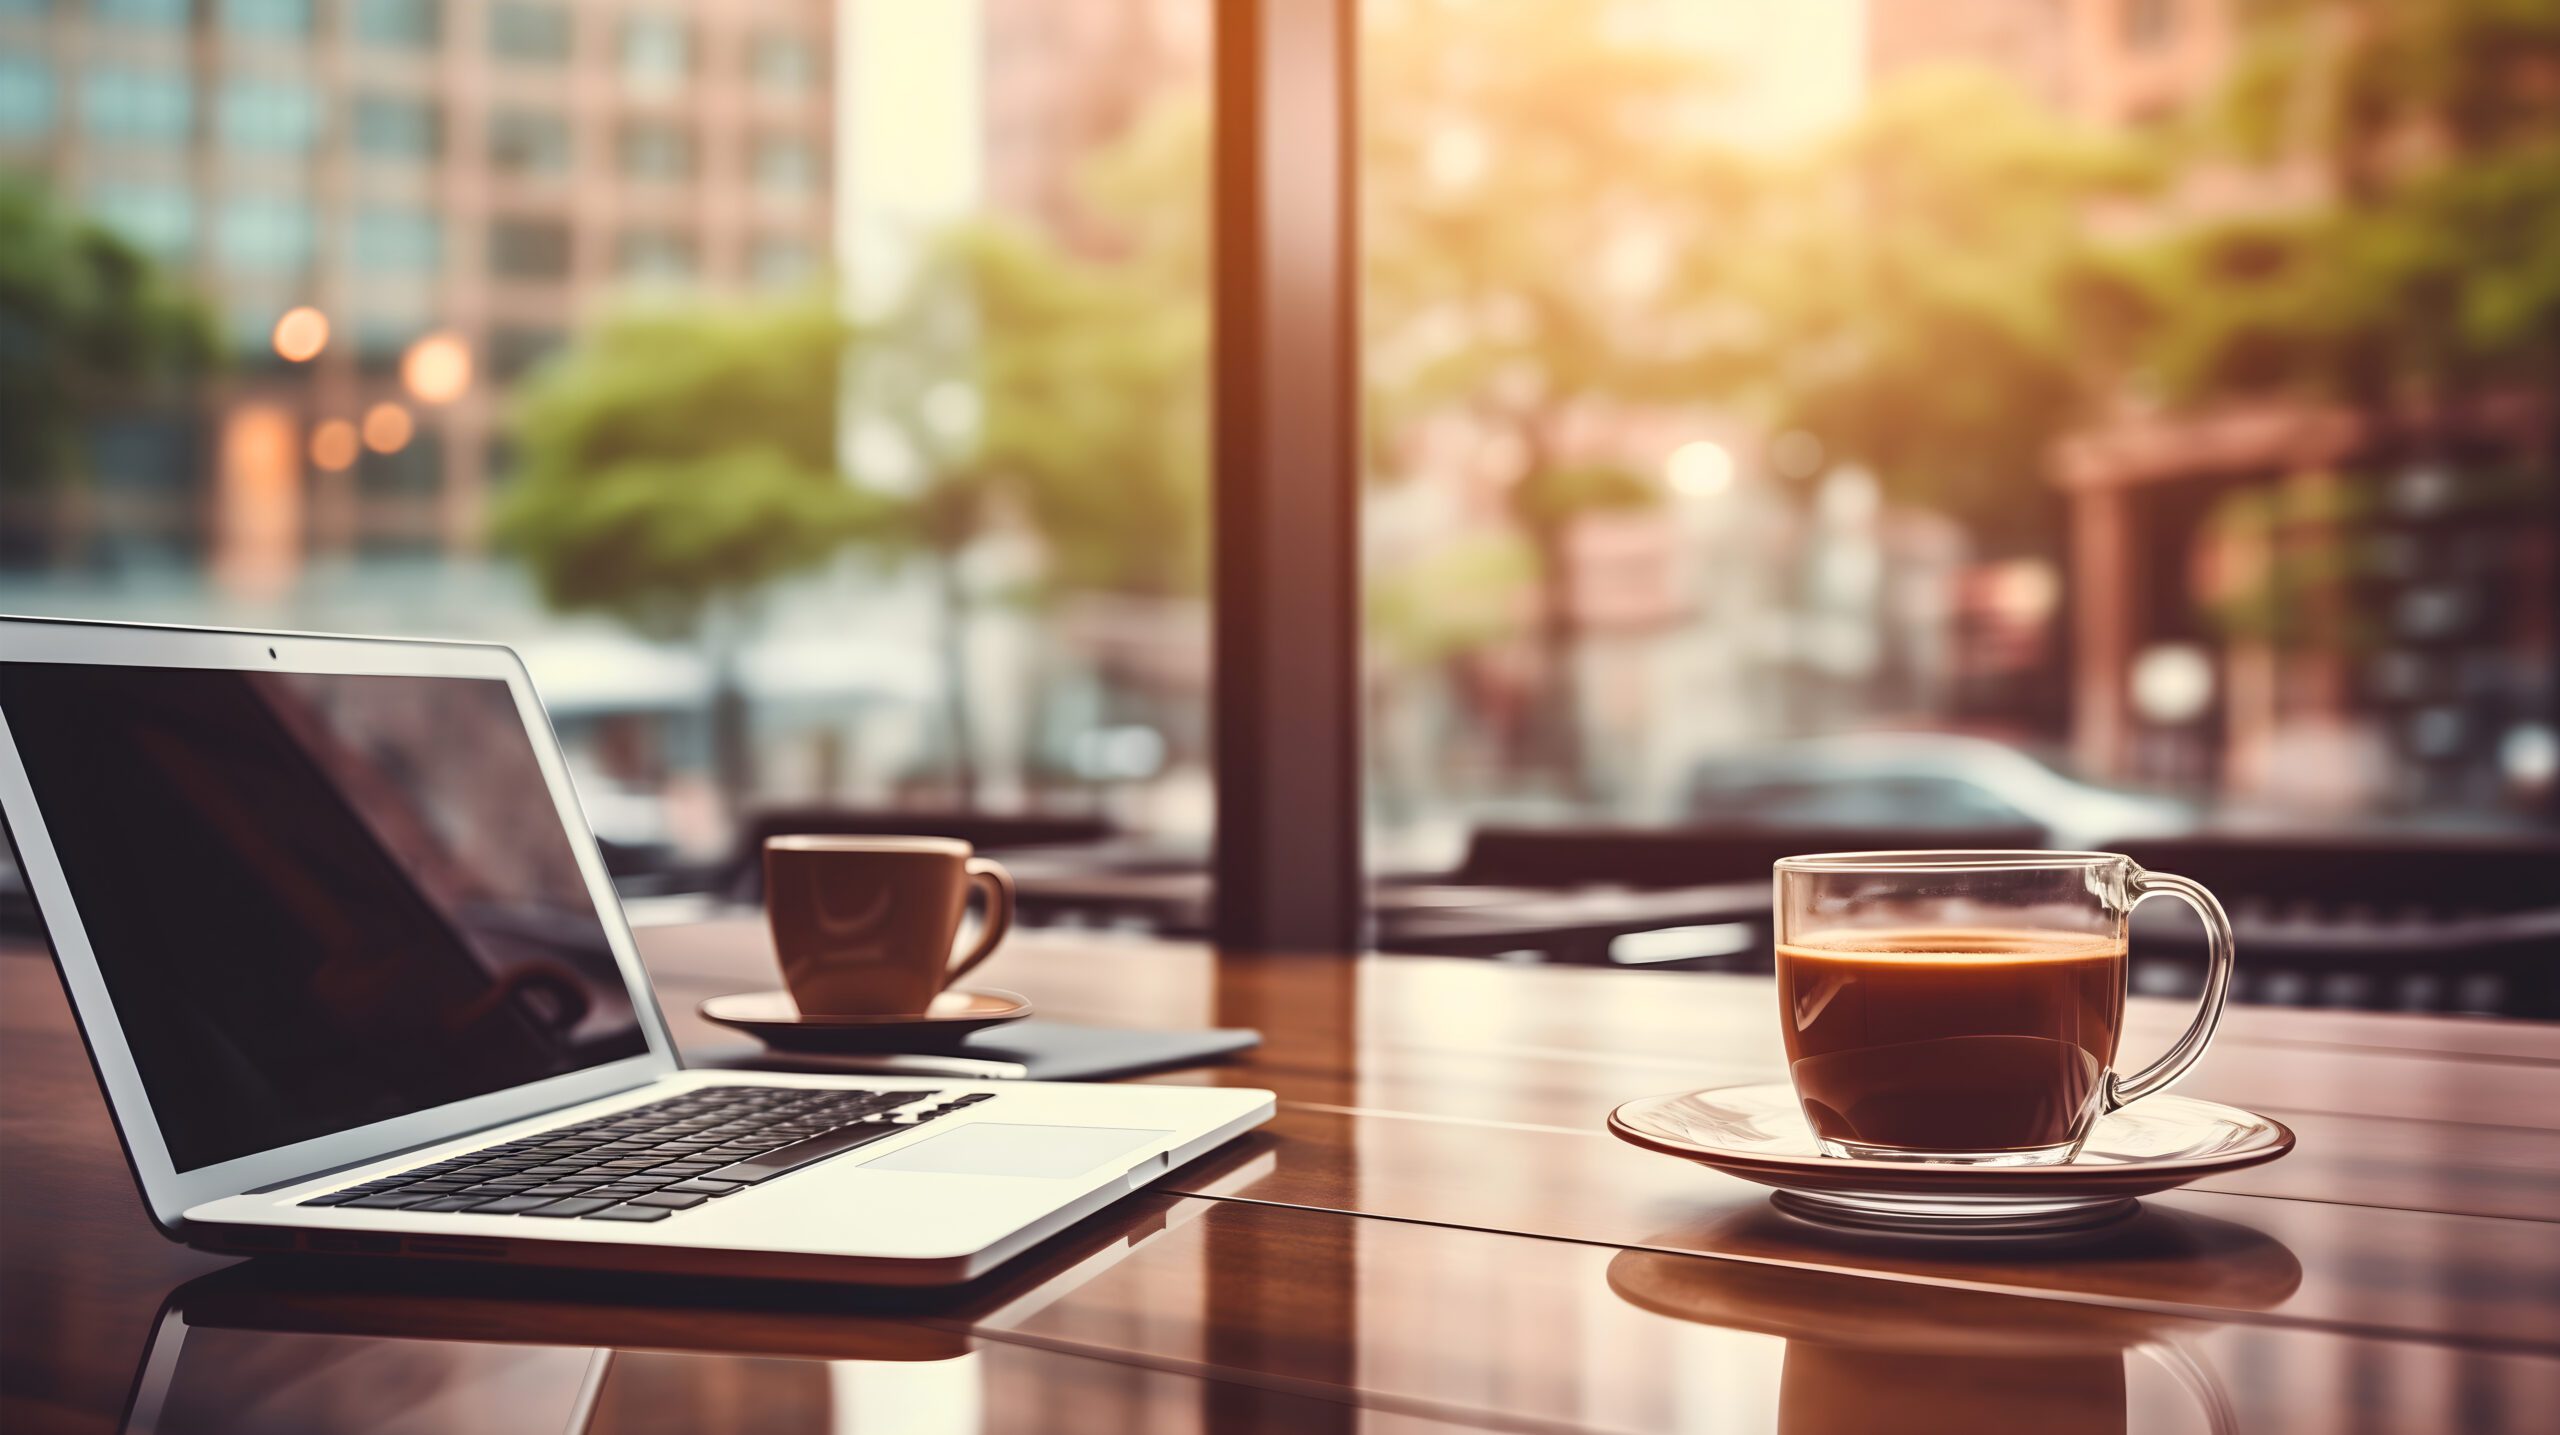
[[333, 445], [1700, 469], [437, 369], [387, 428], [301, 333]]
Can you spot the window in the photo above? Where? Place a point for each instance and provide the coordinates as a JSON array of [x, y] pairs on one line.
[[265, 234], [381, 339], [657, 256], [141, 12], [529, 249], [159, 219], [392, 241], [656, 53], [400, 24], [781, 261], [783, 64], [528, 142], [656, 150], [517, 349], [398, 127], [415, 469], [533, 33], [118, 103], [786, 165], [26, 96], [267, 17], [270, 115]]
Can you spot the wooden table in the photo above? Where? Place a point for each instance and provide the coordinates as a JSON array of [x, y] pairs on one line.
[[1434, 1235]]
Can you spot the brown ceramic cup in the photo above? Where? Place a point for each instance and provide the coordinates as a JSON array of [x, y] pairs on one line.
[[865, 925]]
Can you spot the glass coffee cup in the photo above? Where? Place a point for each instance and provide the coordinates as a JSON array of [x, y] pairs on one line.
[[1967, 1006]]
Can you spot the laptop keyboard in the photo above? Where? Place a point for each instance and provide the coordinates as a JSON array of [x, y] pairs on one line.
[[650, 1162]]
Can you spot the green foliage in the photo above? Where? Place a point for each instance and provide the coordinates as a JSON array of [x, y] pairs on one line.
[[1921, 292], [1455, 599], [1092, 405], [2435, 268], [678, 459], [87, 324]]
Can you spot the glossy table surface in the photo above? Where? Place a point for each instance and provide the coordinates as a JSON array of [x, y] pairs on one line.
[[1435, 1234]]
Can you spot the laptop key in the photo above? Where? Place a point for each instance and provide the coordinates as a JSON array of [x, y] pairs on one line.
[[452, 1203], [674, 1200], [580, 1206], [510, 1205], [802, 1153], [699, 1186], [632, 1213], [388, 1201], [562, 1188]]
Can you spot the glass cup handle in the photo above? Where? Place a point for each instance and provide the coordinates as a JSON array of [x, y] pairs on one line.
[[2217, 985]]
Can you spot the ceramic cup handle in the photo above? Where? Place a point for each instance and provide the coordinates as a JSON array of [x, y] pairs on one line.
[[988, 874], [2217, 985]]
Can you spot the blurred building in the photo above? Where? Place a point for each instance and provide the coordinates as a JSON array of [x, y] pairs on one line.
[[2323, 608], [479, 175], [1066, 81]]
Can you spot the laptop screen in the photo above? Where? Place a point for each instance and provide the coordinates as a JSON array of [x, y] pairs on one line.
[[318, 900]]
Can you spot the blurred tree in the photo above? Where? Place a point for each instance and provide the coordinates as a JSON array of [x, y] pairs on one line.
[[1918, 295], [674, 463], [1530, 174], [2432, 269], [88, 325], [1033, 387]]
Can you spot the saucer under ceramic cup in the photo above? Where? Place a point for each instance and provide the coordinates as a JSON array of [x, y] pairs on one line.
[[1759, 1133], [773, 1018]]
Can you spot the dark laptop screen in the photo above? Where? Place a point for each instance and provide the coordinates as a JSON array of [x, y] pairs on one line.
[[317, 900]]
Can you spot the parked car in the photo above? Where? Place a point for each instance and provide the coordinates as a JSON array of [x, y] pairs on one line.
[[1922, 780]]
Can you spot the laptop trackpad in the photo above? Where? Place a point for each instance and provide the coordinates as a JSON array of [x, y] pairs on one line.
[[992, 1148]]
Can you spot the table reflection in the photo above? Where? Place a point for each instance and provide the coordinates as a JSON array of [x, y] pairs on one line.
[[1865, 1354]]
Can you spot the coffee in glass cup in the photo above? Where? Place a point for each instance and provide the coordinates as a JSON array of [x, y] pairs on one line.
[[1967, 1006]]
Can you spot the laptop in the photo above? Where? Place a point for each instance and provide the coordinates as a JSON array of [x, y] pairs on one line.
[[354, 980]]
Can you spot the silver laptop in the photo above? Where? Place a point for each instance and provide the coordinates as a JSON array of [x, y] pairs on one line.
[[354, 980]]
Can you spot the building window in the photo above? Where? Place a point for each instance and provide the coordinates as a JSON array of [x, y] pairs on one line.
[[26, 96], [656, 150], [529, 249], [528, 142], [275, 116], [398, 127], [159, 219], [381, 341], [783, 64], [122, 104], [515, 350], [533, 33], [400, 24], [140, 12], [2149, 24], [782, 261], [786, 164], [397, 241], [657, 53], [265, 234], [657, 256], [416, 468], [267, 17]]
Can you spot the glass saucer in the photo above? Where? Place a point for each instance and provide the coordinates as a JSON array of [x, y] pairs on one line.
[[1759, 1134]]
